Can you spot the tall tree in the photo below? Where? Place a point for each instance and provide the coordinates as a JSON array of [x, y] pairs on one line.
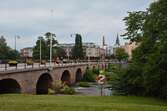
[[45, 46], [77, 51], [4, 49], [44, 49], [147, 72], [121, 54], [59, 52]]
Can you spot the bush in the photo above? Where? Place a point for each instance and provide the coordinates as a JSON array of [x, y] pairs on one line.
[[67, 90], [84, 84], [89, 76], [58, 87]]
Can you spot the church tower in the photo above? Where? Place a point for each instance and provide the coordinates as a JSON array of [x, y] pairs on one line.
[[117, 43]]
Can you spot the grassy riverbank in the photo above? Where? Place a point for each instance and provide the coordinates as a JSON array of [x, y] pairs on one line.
[[79, 103]]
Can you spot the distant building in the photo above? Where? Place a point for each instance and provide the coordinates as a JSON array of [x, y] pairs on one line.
[[27, 52], [109, 51], [129, 47], [91, 50], [116, 45]]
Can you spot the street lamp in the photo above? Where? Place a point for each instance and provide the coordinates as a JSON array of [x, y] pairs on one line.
[[15, 38], [40, 52], [73, 36], [50, 50]]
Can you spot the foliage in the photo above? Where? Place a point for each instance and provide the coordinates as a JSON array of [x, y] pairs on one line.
[[147, 72], [6, 53], [84, 84], [45, 47], [13, 55], [135, 22], [90, 75], [121, 54], [60, 52], [61, 88], [77, 51]]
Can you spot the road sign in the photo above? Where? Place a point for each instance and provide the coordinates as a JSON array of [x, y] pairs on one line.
[[101, 79]]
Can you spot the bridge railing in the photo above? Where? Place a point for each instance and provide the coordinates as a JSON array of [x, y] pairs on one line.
[[7, 67]]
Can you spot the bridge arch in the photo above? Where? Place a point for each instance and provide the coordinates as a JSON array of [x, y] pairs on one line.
[[78, 75], [44, 83], [66, 78], [9, 86]]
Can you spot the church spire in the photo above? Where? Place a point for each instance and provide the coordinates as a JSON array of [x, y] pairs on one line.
[[104, 42], [117, 43]]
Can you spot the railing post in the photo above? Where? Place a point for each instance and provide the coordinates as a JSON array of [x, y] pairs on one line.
[[24, 65], [5, 66], [16, 66]]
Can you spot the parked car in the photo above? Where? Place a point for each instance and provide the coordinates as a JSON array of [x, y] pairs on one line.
[[12, 63]]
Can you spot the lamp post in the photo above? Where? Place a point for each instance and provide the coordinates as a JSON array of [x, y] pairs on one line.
[[72, 36], [40, 52], [15, 39], [50, 63]]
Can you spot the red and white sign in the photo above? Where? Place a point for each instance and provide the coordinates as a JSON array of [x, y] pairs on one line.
[[101, 79]]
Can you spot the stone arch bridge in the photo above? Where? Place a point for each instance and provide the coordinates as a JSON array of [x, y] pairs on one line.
[[38, 80]]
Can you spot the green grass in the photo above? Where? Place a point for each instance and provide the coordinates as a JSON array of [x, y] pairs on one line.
[[79, 103]]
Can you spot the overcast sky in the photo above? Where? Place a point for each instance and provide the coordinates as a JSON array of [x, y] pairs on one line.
[[91, 18]]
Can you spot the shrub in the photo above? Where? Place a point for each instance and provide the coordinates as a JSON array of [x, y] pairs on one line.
[[89, 76], [58, 87], [67, 90]]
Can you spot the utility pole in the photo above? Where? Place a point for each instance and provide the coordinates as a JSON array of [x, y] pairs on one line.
[[40, 52], [15, 39], [50, 49], [50, 63]]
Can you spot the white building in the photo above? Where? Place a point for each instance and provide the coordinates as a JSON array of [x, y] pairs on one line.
[[91, 50], [27, 52]]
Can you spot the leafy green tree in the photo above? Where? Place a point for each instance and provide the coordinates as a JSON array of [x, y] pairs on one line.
[[59, 52], [44, 49], [120, 54], [13, 55], [45, 46], [4, 49], [77, 51], [147, 72], [54, 41], [135, 23]]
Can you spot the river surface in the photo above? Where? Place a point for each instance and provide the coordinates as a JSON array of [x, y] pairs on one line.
[[93, 90]]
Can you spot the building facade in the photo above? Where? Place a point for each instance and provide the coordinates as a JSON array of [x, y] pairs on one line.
[[27, 52], [91, 50], [129, 47]]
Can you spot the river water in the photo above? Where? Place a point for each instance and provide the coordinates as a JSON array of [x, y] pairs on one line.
[[93, 90]]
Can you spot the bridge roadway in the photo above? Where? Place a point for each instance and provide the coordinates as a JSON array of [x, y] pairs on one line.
[[37, 79]]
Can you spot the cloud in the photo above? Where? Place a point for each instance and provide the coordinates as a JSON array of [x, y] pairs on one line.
[[91, 18]]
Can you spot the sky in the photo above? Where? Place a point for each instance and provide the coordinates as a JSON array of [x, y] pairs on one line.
[[91, 18]]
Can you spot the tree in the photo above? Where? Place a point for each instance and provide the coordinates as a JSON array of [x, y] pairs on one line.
[[121, 54], [4, 49], [59, 52], [147, 72], [135, 23], [44, 49], [77, 51], [45, 46], [47, 36], [13, 55]]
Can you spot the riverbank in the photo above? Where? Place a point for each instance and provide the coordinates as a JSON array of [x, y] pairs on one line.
[[79, 103]]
